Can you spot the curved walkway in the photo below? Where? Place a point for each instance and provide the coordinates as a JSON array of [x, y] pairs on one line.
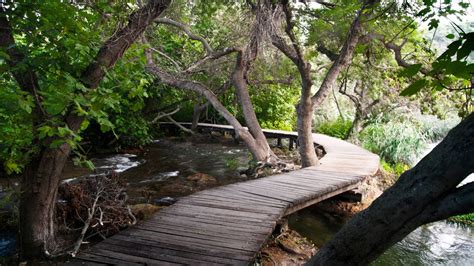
[[229, 224]]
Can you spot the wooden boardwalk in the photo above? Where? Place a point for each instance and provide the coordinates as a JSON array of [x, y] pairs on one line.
[[229, 224]]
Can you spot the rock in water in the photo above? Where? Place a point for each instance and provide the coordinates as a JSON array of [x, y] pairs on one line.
[[166, 201], [202, 179]]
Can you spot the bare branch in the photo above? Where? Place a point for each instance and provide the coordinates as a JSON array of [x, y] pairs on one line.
[[161, 115], [212, 56], [344, 58], [286, 81], [396, 49], [180, 126], [176, 65], [188, 32]]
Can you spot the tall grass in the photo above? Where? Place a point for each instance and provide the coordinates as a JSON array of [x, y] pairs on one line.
[[337, 128], [434, 129], [395, 142]]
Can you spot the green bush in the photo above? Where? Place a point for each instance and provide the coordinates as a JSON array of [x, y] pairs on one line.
[[397, 168], [434, 129], [338, 128], [395, 142]]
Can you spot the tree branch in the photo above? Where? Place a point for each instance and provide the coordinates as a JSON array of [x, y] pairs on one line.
[[396, 49], [161, 115], [25, 76], [342, 60], [330, 54], [113, 49], [212, 56], [459, 201], [188, 32]]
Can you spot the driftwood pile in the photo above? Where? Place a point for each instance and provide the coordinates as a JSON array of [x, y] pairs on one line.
[[92, 207]]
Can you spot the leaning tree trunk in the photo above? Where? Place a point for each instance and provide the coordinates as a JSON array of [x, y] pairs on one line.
[[38, 200], [262, 152], [426, 193], [41, 177]]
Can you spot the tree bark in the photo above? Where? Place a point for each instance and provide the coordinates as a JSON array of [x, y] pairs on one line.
[[305, 121], [198, 108], [305, 107], [423, 194], [41, 177], [239, 79], [40, 183]]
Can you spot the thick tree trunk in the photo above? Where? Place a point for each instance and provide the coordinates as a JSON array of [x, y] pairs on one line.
[[423, 194], [41, 177], [38, 201]]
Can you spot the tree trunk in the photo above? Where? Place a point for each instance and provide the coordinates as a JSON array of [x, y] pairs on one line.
[[38, 201], [423, 194], [263, 153], [41, 177], [305, 122], [196, 115], [356, 127]]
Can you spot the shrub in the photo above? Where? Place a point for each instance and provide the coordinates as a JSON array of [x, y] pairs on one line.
[[338, 128], [434, 129], [395, 142]]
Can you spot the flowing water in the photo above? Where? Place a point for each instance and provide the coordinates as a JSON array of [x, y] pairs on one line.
[[439, 243], [168, 163]]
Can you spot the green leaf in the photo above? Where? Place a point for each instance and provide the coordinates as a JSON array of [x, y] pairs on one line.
[[450, 36], [89, 165], [410, 71], [56, 143], [467, 47], [414, 87]]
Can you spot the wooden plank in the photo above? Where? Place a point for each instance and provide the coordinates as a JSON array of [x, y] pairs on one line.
[[185, 247], [233, 194], [230, 247], [183, 230], [152, 252], [200, 211], [123, 258], [144, 255], [241, 199], [199, 235], [236, 206], [210, 223]]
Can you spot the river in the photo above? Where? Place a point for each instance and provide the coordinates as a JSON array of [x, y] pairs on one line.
[[169, 162], [438, 243]]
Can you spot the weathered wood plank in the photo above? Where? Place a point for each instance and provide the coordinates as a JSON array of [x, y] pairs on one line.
[[185, 247]]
